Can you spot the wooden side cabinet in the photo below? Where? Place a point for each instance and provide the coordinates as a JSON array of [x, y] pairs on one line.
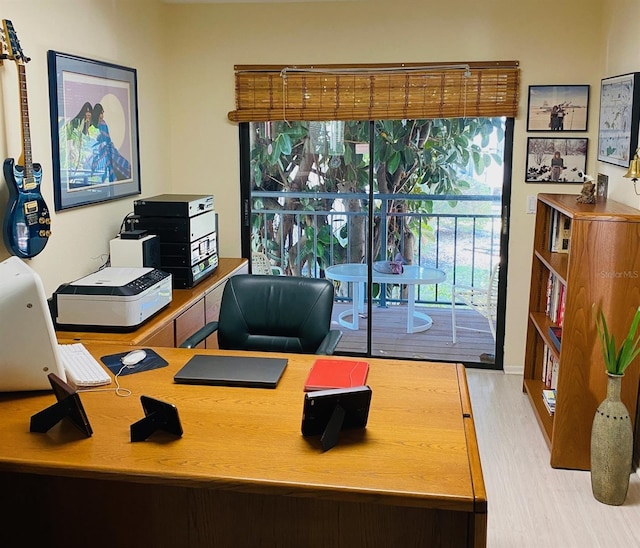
[[601, 268], [188, 312]]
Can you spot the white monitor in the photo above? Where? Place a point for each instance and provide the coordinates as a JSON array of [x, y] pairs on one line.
[[28, 344]]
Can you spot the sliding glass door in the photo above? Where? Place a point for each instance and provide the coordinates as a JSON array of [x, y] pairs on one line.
[[356, 201]]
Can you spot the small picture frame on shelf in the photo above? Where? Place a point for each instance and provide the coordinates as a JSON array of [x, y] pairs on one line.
[[619, 117], [602, 186], [558, 108], [556, 160]]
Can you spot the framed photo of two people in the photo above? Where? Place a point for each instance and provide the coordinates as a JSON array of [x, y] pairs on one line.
[[558, 108], [94, 130]]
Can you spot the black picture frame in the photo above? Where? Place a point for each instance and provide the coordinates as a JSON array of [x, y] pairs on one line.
[[541, 152], [96, 161], [328, 412], [558, 108], [619, 118]]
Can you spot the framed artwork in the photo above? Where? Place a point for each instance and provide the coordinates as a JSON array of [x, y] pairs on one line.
[[558, 108], [619, 117], [94, 130], [551, 160]]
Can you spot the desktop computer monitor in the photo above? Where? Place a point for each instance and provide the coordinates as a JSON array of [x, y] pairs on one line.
[[28, 344]]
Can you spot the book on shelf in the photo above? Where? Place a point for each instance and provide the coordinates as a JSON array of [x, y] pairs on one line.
[[555, 299], [550, 365], [549, 399], [564, 234], [555, 334], [328, 373], [554, 231]]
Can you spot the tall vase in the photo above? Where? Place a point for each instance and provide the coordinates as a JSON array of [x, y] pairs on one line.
[[611, 447]]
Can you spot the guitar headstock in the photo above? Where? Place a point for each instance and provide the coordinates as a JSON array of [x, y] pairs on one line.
[[11, 48]]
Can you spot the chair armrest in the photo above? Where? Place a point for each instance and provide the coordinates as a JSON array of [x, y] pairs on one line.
[[328, 345], [200, 335]]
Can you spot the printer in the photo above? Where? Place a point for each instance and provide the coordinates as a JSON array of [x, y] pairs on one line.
[[114, 298]]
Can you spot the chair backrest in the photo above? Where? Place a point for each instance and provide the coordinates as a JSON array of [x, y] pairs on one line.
[[492, 291], [275, 313]]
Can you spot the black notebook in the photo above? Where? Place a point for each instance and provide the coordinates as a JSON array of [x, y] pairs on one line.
[[250, 371]]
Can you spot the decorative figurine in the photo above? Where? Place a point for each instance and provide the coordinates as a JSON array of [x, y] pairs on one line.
[[588, 192]]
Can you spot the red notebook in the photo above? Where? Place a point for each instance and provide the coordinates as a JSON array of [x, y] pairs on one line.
[[328, 373]]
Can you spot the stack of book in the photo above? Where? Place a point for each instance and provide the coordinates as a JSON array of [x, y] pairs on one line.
[[549, 398]]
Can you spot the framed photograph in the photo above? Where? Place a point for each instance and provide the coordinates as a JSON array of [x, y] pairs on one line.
[[602, 185], [558, 108], [619, 117], [551, 160], [94, 130]]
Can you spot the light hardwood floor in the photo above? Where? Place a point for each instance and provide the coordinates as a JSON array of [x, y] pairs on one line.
[[530, 503]]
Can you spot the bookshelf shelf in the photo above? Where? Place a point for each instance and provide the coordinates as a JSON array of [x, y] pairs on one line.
[[601, 268]]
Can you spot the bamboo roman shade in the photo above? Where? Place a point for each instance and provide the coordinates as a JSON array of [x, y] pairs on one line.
[[372, 92]]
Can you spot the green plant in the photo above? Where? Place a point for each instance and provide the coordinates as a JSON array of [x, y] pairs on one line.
[[616, 361]]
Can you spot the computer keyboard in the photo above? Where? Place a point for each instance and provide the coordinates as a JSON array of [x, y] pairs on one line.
[[81, 367]]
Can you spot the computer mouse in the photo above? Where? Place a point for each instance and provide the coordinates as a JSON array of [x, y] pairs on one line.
[[134, 357]]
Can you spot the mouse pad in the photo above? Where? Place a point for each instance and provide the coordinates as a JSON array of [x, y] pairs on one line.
[[152, 361]]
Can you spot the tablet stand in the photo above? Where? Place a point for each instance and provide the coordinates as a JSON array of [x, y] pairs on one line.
[[159, 415], [68, 405], [330, 435]]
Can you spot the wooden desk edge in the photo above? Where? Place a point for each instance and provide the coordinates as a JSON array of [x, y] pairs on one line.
[[477, 520]]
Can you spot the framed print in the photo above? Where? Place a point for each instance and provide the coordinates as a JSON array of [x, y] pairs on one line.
[[94, 130], [619, 116], [558, 108], [551, 160]]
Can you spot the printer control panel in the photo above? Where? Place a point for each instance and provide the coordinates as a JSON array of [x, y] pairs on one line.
[[146, 281]]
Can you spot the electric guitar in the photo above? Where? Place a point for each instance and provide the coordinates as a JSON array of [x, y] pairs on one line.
[[27, 224]]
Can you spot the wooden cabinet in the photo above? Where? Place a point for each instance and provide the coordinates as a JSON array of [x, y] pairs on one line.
[[212, 302], [601, 268], [188, 311], [190, 321]]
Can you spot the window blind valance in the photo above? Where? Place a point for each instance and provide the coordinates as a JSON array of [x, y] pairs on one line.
[[372, 92]]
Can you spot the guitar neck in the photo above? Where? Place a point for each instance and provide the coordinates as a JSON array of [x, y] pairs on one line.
[[24, 119]]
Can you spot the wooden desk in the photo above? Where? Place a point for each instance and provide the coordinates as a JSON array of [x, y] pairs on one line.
[[242, 475], [189, 310]]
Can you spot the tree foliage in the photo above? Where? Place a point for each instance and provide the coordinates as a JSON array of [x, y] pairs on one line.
[[425, 157]]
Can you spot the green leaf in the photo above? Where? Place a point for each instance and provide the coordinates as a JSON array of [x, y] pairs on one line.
[[393, 162]]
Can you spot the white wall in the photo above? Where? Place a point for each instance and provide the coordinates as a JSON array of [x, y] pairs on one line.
[[185, 53]]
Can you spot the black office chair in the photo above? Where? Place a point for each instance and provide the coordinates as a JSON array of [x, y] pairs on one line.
[[274, 314]]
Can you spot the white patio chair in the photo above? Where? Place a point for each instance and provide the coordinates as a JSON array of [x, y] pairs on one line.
[[483, 300], [260, 264]]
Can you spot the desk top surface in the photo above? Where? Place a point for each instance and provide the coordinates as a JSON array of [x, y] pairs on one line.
[[419, 447], [411, 274]]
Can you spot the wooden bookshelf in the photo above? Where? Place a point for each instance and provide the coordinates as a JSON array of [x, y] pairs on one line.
[[602, 268]]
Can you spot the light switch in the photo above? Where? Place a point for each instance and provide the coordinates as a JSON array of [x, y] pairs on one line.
[[531, 204]]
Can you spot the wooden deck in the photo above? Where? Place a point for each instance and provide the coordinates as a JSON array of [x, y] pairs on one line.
[[390, 338]]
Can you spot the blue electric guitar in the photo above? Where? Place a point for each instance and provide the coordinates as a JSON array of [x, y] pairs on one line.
[[27, 224]]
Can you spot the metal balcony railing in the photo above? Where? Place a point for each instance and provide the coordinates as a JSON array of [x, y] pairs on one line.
[[304, 233]]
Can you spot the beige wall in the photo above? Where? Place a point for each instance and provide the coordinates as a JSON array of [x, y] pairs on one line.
[[554, 45], [118, 31], [185, 56]]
